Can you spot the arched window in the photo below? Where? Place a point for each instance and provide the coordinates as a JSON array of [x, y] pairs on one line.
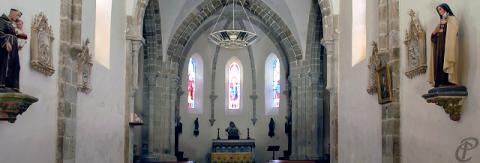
[[234, 85], [272, 85], [193, 85], [192, 67], [276, 82]]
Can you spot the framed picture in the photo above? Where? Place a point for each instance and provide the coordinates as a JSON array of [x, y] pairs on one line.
[[384, 85]]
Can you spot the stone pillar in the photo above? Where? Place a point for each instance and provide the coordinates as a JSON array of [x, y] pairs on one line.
[[162, 113], [308, 95], [134, 43], [389, 44], [70, 34], [307, 117], [332, 72]]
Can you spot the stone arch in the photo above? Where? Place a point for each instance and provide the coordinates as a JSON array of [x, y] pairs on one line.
[[209, 7], [135, 23]]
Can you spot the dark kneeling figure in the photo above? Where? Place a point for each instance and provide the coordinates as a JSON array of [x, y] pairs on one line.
[[232, 131]]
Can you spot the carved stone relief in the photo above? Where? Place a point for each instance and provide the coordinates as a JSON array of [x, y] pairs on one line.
[[373, 65], [416, 49], [41, 45], [84, 68]]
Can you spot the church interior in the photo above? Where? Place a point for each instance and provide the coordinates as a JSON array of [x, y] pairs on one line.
[[239, 81]]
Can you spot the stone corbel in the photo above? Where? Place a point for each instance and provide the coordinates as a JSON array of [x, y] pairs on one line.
[[41, 44], [449, 98], [14, 104]]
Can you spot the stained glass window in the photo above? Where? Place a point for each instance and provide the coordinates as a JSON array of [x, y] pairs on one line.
[[192, 67], [234, 86], [276, 83]]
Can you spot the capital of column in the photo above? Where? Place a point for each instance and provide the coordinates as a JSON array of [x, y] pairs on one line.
[[135, 37]]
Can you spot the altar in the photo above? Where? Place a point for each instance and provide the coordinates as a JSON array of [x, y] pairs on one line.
[[233, 151]]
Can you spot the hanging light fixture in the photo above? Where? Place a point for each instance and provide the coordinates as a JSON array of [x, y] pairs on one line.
[[233, 38]]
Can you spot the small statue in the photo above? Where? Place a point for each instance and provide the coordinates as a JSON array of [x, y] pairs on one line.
[[9, 59], [196, 125], [19, 31], [271, 128], [232, 131], [178, 128], [444, 56]]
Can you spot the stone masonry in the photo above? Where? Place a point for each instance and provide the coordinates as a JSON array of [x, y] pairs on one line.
[[308, 85], [70, 40], [389, 44]]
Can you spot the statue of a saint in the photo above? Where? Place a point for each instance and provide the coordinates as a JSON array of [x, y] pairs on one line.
[[195, 129], [444, 55], [232, 131], [271, 128], [9, 59]]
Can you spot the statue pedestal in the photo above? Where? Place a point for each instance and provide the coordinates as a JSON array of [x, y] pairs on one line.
[[13, 104], [450, 98]]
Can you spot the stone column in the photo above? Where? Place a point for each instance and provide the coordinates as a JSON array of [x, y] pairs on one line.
[[134, 43], [389, 44], [70, 40], [162, 113], [332, 72], [307, 116]]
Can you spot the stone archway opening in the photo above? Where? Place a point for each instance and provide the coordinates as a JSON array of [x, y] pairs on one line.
[[170, 69]]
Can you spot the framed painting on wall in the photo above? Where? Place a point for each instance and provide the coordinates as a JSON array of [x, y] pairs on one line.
[[384, 85]]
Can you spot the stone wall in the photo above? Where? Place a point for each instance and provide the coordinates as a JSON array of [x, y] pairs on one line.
[[308, 92]]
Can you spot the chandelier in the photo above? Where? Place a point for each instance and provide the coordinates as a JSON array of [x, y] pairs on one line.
[[233, 38]]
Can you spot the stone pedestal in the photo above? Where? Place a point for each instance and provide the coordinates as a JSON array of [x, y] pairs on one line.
[[449, 98], [14, 104]]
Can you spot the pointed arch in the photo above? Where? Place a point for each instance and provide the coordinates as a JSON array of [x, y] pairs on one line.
[[272, 84], [194, 84]]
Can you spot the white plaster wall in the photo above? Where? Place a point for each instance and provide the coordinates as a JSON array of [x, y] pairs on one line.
[[173, 13], [198, 148], [359, 114], [101, 114], [298, 12], [427, 133], [34, 131]]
